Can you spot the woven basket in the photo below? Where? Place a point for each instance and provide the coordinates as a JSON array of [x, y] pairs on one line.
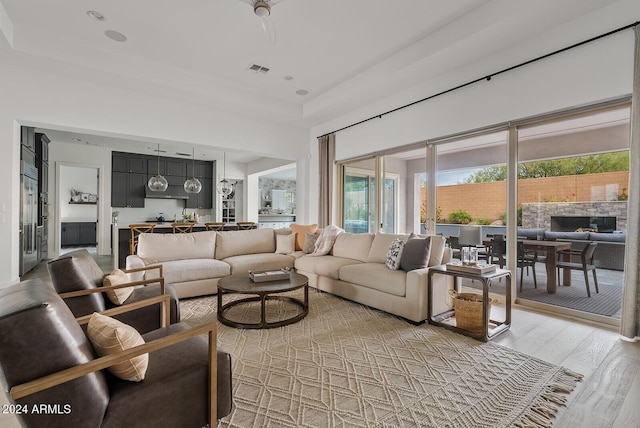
[[468, 307]]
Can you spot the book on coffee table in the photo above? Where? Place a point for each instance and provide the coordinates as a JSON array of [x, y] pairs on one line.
[[269, 275], [479, 269]]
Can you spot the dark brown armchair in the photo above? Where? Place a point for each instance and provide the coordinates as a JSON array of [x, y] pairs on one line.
[[48, 364], [78, 279]]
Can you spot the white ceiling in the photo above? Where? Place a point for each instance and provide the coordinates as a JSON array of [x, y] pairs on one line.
[[345, 53]]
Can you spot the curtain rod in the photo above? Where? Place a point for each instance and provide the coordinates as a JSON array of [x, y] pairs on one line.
[[487, 77]]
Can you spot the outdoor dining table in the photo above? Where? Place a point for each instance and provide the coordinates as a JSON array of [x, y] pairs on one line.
[[552, 248]]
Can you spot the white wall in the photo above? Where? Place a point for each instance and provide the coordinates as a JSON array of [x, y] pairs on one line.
[[86, 181], [44, 93]]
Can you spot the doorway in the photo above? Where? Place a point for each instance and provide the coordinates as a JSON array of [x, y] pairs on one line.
[[77, 220]]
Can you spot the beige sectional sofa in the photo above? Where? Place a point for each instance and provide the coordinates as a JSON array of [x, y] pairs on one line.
[[355, 269]]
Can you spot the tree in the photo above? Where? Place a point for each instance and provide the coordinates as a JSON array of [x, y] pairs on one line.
[[589, 164]]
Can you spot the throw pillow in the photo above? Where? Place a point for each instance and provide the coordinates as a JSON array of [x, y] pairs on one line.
[[285, 244], [415, 254], [300, 230], [119, 295], [394, 253], [309, 242], [325, 241], [110, 336]]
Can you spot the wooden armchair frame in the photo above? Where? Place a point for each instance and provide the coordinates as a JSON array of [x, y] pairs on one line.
[[63, 376]]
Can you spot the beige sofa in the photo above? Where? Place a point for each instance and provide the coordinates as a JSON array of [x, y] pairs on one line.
[[355, 269], [194, 262]]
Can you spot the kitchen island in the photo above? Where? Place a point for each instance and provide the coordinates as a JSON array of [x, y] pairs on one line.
[[122, 234]]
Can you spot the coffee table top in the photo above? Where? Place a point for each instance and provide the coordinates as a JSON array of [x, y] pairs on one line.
[[244, 285]]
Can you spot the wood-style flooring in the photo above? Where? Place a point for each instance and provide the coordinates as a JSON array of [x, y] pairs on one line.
[[608, 396]]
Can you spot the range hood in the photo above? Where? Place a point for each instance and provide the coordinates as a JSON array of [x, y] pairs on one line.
[[172, 192]]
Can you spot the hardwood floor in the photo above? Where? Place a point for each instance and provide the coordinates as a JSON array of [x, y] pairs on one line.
[[609, 394]]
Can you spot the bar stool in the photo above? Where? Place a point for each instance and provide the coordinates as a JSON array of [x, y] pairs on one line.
[[182, 227], [245, 225], [136, 230], [219, 226]]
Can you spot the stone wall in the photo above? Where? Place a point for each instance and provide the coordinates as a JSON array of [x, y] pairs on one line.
[[538, 215]]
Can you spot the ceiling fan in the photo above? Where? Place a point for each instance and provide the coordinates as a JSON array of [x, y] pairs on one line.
[[262, 9]]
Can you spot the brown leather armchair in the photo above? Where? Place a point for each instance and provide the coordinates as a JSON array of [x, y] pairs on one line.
[[78, 279], [55, 378]]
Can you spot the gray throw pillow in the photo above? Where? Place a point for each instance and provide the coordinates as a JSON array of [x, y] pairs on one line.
[[416, 254], [394, 253], [309, 242]]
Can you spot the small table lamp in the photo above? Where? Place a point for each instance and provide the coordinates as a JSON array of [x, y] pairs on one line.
[[471, 237]]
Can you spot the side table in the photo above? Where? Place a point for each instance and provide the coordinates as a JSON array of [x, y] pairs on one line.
[[487, 333]]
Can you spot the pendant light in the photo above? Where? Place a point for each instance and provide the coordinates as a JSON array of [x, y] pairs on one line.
[[224, 187], [158, 183], [193, 185]]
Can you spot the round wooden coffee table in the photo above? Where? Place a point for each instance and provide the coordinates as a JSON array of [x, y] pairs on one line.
[[268, 290]]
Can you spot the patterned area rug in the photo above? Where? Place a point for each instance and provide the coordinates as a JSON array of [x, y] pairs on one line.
[[349, 365]]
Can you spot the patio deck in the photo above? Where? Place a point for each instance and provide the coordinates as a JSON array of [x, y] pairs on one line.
[[608, 302]]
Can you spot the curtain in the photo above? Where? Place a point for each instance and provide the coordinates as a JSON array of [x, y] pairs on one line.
[[630, 320], [327, 157]]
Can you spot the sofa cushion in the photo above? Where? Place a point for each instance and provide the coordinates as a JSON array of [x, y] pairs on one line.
[[177, 271], [300, 230], [607, 237], [531, 233], [375, 276], [353, 246], [437, 250], [119, 295], [264, 261], [579, 236], [239, 242], [416, 254], [380, 246], [110, 336], [162, 247], [328, 266]]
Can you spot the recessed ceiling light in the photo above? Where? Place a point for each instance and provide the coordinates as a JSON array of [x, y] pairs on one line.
[[287, 77], [115, 35], [96, 16], [302, 92]]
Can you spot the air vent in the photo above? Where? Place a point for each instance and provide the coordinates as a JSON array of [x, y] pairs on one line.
[[183, 154], [258, 68]]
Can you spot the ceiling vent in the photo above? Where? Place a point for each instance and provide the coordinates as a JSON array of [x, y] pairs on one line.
[[258, 68], [183, 154]]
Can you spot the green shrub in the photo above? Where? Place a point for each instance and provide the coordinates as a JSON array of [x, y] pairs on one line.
[[460, 217], [483, 221]]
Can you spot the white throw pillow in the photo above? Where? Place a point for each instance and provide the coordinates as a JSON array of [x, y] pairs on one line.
[[119, 295], [110, 336], [285, 244], [394, 254]]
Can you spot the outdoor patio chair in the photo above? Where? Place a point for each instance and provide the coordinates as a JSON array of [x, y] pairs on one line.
[[565, 258], [526, 260]]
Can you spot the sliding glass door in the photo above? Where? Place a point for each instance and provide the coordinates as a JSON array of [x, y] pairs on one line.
[[364, 208]]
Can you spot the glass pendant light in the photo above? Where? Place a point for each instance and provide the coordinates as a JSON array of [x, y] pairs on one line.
[[224, 187], [158, 183], [193, 185]]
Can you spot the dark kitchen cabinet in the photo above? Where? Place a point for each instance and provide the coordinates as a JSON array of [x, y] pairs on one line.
[[204, 199], [128, 162], [76, 234], [203, 170], [127, 189], [128, 179]]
